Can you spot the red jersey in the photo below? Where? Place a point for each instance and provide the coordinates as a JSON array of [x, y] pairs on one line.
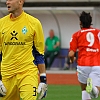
[[87, 41]]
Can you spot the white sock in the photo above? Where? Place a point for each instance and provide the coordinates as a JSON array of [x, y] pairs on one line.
[[95, 92], [85, 95]]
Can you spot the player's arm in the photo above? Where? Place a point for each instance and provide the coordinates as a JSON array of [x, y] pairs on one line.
[[71, 56], [42, 88], [0, 66], [2, 87], [39, 46], [73, 48], [39, 61], [57, 43], [0, 50], [41, 68]]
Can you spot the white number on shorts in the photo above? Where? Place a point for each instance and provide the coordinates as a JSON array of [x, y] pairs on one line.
[[90, 38]]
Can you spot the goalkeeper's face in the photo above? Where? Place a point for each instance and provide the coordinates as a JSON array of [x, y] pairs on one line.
[[14, 5]]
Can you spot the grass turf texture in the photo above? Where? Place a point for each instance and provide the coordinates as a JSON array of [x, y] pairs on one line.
[[64, 92]]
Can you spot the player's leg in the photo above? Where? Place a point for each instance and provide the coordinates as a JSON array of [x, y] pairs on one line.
[[91, 89], [89, 85], [85, 95], [46, 55], [28, 83], [93, 83], [12, 89], [52, 56], [82, 78], [67, 64]]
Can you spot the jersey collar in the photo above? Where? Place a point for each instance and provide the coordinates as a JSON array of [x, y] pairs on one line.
[[13, 19]]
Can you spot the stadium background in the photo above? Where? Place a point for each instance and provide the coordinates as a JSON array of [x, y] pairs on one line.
[[62, 16]]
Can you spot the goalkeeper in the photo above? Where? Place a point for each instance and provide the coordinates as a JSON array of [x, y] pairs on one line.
[[22, 46]]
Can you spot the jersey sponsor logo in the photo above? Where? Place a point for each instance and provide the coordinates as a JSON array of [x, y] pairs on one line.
[[92, 50], [24, 30], [14, 33], [14, 43]]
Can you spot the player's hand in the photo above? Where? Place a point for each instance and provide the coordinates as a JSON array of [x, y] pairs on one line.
[[42, 89], [2, 89]]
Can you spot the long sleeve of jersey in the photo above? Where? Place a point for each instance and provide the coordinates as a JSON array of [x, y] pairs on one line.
[[0, 47], [38, 44]]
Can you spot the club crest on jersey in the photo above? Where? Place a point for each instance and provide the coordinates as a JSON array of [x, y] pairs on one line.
[[24, 30]]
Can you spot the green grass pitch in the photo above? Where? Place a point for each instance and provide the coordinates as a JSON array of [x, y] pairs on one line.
[[64, 92]]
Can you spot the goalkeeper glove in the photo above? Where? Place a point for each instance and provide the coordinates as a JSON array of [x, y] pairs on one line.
[[42, 88], [2, 88]]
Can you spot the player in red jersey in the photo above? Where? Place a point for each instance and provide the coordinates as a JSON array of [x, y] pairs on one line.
[[87, 41]]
